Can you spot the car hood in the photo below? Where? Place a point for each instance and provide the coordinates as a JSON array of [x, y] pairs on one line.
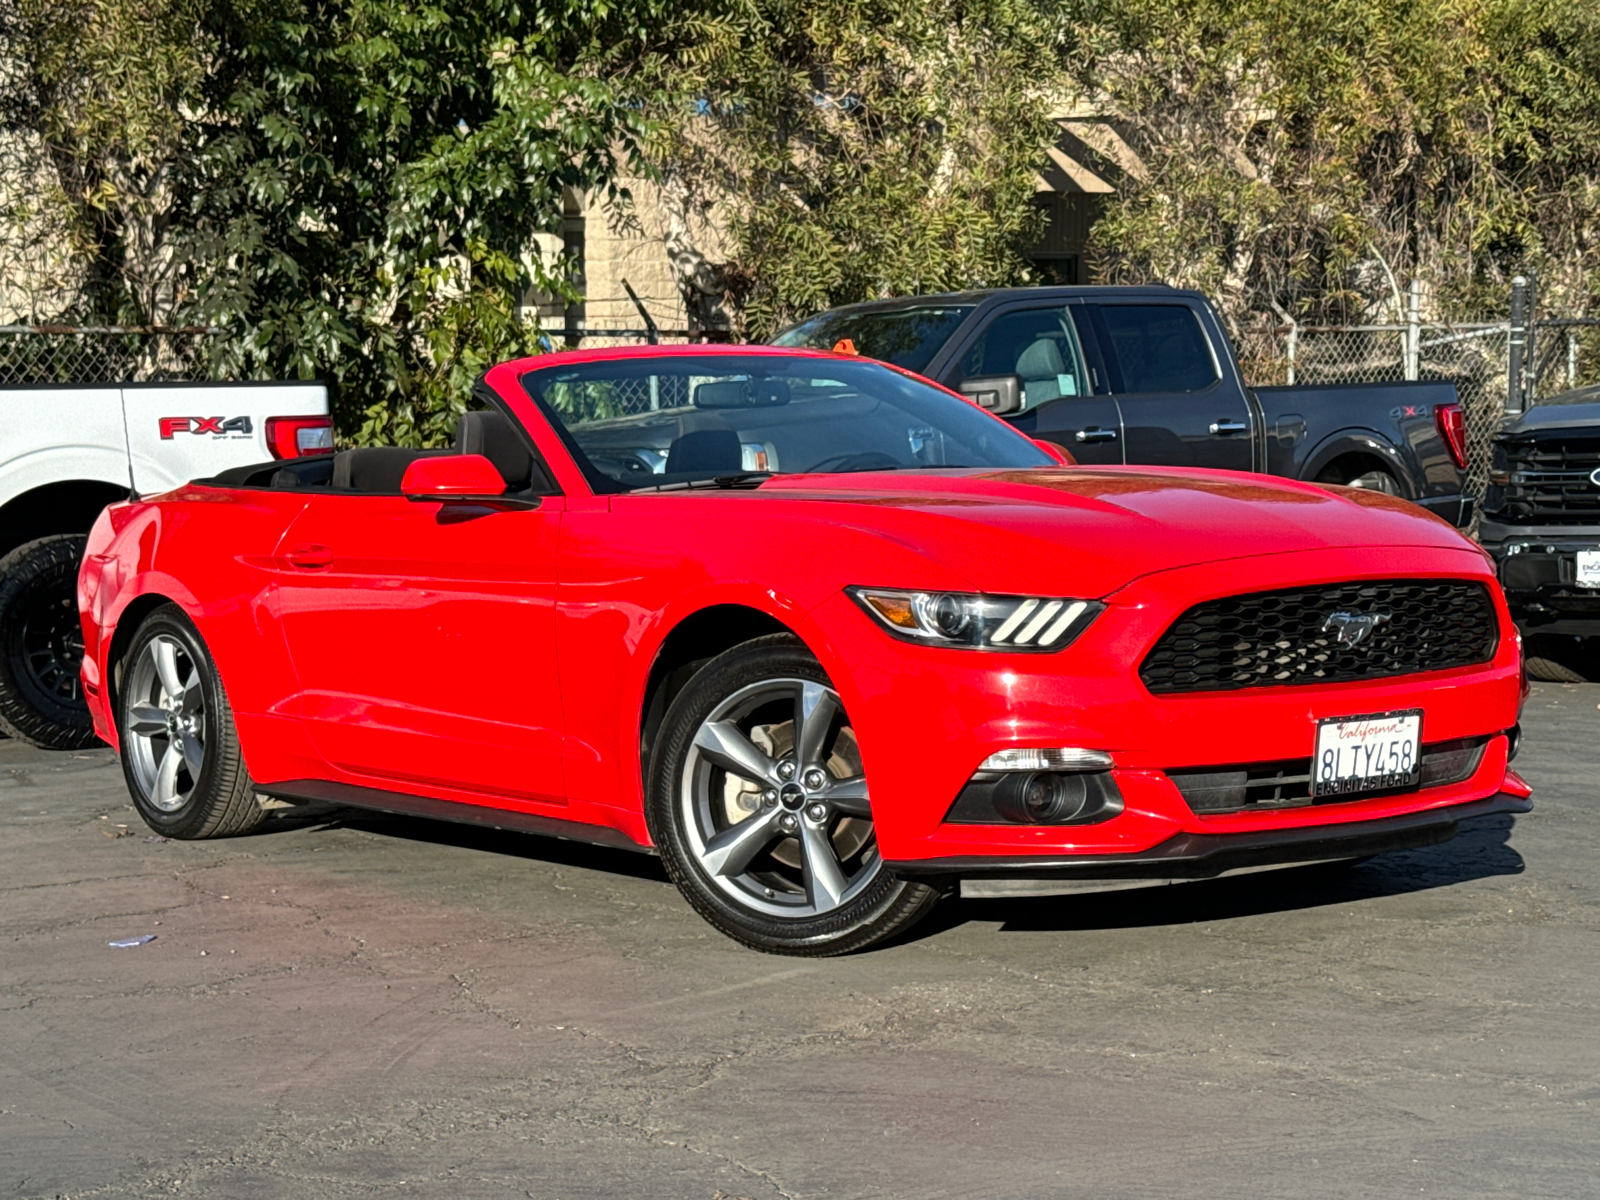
[[1570, 410], [1099, 528]]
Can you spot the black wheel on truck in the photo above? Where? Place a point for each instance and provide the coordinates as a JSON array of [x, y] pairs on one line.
[[1557, 659], [41, 645]]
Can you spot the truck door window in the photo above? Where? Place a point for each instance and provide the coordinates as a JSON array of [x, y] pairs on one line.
[[1156, 348], [1037, 344]]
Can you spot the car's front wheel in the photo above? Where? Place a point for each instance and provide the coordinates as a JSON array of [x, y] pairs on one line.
[[760, 809], [180, 752]]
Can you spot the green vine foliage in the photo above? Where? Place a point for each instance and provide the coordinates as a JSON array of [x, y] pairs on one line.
[[863, 149], [1305, 157], [366, 186]]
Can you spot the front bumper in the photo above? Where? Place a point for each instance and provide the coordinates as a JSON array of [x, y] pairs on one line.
[[1538, 570], [1207, 855], [926, 718]]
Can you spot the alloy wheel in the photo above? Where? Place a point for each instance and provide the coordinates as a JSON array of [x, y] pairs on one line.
[[165, 723], [775, 803], [52, 646]]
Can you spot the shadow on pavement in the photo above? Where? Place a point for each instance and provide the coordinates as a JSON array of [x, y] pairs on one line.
[[1480, 851], [510, 843]]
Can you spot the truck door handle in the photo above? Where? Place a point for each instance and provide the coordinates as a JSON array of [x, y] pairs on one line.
[[1229, 427], [1095, 434], [309, 557]]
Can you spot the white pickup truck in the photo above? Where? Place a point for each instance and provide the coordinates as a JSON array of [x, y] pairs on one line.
[[66, 451]]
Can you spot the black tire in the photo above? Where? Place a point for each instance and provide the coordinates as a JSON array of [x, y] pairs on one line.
[[220, 800], [1556, 659], [41, 645], [884, 904]]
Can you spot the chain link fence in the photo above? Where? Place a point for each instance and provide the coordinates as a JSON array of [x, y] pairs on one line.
[[103, 354], [1562, 354]]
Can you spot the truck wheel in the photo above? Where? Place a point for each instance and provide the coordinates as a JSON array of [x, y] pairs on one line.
[[1554, 660], [1375, 481], [180, 750], [41, 645]]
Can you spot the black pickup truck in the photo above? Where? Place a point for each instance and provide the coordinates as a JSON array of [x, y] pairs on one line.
[[1146, 375]]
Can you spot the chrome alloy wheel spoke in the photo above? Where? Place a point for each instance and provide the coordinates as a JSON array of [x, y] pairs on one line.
[[814, 709], [824, 878], [849, 796], [166, 794], [165, 653], [723, 743], [730, 851], [147, 720]]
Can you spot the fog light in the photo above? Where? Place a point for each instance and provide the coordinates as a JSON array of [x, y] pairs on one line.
[[1063, 758], [1041, 798]]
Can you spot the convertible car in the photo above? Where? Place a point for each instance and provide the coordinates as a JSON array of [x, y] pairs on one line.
[[825, 636]]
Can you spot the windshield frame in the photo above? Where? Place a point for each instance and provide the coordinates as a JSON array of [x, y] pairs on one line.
[[599, 483]]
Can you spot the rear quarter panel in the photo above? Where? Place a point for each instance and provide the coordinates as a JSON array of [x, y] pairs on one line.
[[210, 551]]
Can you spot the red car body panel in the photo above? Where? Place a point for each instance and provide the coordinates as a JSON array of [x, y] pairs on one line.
[[501, 657]]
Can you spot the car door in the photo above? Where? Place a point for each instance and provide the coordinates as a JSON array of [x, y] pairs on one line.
[[1063, 398], [1177, 409], [423, 637]]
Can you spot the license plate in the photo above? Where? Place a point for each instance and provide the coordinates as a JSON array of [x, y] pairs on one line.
[[1589, 568], [1379, 752]]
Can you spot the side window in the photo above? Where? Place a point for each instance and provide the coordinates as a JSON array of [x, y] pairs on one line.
[[1156, 348], [1038, 344]]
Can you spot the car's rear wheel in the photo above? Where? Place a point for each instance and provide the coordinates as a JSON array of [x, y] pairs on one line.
[[760, 808], [41, 645], [180, 751]]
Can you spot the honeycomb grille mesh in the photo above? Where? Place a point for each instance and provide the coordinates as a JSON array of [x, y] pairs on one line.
[[1276, 639]]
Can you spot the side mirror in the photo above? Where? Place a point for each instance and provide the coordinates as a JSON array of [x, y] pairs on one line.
[[1000, 394], [452, 477]]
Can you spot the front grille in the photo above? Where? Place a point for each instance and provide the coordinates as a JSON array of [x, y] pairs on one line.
[[1279, 638], [1547, 481], [1287, 784]]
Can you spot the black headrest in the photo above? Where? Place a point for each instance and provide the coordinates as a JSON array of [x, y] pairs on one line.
[[376, 469], [705, 450], [491, 435]]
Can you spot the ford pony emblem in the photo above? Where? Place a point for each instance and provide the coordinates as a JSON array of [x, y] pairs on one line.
[[1351, 629]]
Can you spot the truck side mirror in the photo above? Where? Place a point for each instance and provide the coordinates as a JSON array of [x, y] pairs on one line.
[[1000, 394]]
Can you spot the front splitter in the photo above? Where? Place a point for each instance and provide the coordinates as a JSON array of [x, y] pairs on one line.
[[1206, 855]]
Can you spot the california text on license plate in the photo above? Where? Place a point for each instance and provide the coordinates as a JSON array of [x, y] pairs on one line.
[[1374, 753]]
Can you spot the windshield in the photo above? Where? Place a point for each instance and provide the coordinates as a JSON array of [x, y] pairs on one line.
[[907, 337], [665, 420]]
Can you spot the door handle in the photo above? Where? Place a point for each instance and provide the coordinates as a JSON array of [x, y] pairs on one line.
[[1229, 427], [1095, 434], [309, 557]]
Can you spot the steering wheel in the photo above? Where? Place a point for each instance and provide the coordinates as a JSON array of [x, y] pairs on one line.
[[855, 460]]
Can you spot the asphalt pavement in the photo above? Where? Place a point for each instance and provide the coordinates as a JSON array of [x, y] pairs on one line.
[[359, 1006]]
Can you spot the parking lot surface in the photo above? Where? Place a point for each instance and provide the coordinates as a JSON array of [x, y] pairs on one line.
[[353, 1006]]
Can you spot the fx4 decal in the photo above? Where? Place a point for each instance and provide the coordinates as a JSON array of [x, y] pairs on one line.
[[216, 425]]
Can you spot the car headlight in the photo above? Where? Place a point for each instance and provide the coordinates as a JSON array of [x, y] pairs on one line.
[[1025, 624]]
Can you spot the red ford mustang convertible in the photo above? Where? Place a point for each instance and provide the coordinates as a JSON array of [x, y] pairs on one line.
[[825, 636]]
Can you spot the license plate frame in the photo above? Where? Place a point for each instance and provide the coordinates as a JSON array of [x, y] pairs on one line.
[[1388, 733], [1586, 568]]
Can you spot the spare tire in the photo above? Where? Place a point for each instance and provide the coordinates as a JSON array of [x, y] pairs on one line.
[[41, 645]]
